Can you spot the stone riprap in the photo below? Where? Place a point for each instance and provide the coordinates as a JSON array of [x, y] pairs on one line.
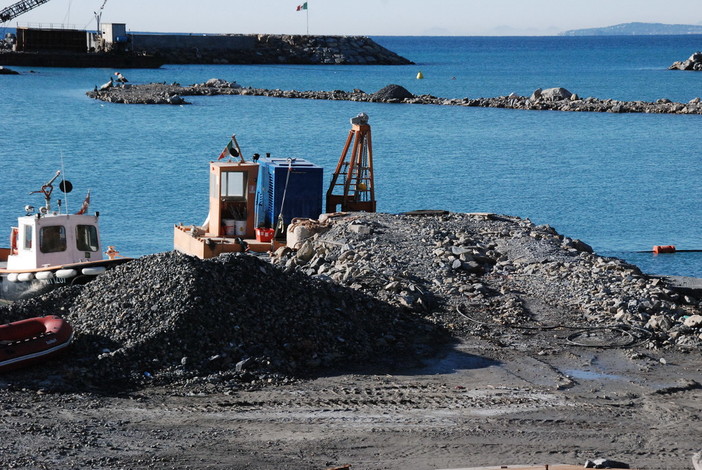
[[551, 99], [355, 291], [694, 62], [267, 49]]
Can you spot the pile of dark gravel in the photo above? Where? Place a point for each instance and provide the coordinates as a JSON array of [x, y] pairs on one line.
[[174, 319]]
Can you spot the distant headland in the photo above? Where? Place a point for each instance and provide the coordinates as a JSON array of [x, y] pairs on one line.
[[636, 29]]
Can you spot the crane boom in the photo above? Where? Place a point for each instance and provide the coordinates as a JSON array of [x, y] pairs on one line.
[[15, 10]]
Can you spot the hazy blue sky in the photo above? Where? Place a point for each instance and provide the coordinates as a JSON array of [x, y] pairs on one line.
[[365, 17]]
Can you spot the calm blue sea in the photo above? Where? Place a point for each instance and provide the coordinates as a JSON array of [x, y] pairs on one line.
[[621, 183]]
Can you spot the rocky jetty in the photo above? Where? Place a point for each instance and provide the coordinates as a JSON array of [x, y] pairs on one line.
[[694, 62], [551, 99], [273, 49], [355, 290]]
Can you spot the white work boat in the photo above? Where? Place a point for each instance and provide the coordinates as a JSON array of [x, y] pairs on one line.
[[49, 248]]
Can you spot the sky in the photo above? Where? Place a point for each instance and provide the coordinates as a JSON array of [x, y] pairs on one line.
[[363, 17]]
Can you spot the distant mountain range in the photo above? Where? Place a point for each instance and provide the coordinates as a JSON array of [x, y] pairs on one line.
[[632, 29]]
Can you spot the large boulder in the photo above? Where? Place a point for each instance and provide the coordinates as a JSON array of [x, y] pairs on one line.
[[694, 62], [555, 94], [392, 92]]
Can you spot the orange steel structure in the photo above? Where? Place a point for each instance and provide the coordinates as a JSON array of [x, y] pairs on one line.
[[353, 177]]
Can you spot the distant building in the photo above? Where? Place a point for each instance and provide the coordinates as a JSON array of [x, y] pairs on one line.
[[112, 37], [48, 39]]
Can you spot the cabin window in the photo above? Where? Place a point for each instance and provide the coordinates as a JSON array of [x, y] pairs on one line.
[[234, 185], [52, 239], [86, 238], [27, 239]]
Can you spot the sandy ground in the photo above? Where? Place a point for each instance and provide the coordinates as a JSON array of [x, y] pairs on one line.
[[477, 404]]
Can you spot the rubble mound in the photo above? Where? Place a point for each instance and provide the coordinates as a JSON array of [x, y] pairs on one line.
[[170, 318], [392, 92], [498, 277]]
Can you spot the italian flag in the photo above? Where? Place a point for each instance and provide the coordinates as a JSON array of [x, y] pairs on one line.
[[302, 7], [229, 151]]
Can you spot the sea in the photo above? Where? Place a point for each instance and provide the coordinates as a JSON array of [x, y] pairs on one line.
[[620, 182]]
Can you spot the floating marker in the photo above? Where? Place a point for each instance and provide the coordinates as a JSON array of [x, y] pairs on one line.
[[420, 75]]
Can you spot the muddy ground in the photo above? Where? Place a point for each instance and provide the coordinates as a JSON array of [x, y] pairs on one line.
[[476, 404]]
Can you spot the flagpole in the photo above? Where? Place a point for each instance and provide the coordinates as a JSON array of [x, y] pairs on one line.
[[308, 19]]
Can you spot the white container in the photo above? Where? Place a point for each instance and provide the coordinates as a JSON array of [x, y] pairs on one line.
[[229, 227], [240, 228]]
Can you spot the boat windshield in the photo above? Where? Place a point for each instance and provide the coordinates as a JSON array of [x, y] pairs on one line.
[[86, 238], [52, 239]]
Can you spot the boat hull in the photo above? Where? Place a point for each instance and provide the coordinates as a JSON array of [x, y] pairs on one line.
[[16, 285], [32, 341]]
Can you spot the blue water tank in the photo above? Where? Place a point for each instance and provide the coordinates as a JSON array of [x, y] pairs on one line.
[[303, 197]]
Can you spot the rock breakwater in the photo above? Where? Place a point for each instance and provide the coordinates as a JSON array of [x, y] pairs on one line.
[[267, 49], [356, 290], [551, 99]]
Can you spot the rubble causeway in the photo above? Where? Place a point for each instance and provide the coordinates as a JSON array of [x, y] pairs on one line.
[[551, 99]]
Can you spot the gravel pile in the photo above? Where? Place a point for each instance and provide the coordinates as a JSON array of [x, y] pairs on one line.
[[355, 290], [475, 273], [231, 321]]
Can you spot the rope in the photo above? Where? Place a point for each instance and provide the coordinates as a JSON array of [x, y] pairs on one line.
[[626, 331], [280, 225]]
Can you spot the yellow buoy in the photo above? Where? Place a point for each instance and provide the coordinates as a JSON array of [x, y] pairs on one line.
[[420, 75]]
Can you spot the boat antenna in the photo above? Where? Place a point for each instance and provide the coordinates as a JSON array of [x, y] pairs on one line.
[[63, 183]]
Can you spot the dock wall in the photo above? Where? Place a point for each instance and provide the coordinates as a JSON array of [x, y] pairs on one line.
[[265, 49]]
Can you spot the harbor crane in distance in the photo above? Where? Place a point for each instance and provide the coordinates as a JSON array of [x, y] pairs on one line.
[[16, 9]]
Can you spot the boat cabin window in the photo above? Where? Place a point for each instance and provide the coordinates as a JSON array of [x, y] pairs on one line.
[[86, 238], [27, 237], [234, 185], [52, 239]]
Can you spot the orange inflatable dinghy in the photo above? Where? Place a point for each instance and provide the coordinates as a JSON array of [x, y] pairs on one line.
[[32, 340]]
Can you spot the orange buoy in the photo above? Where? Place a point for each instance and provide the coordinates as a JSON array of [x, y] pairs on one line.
[[664, 249]]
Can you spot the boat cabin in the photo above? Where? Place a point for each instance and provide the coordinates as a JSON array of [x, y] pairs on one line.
[[41, 241], [232, 199], [249, 201]]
